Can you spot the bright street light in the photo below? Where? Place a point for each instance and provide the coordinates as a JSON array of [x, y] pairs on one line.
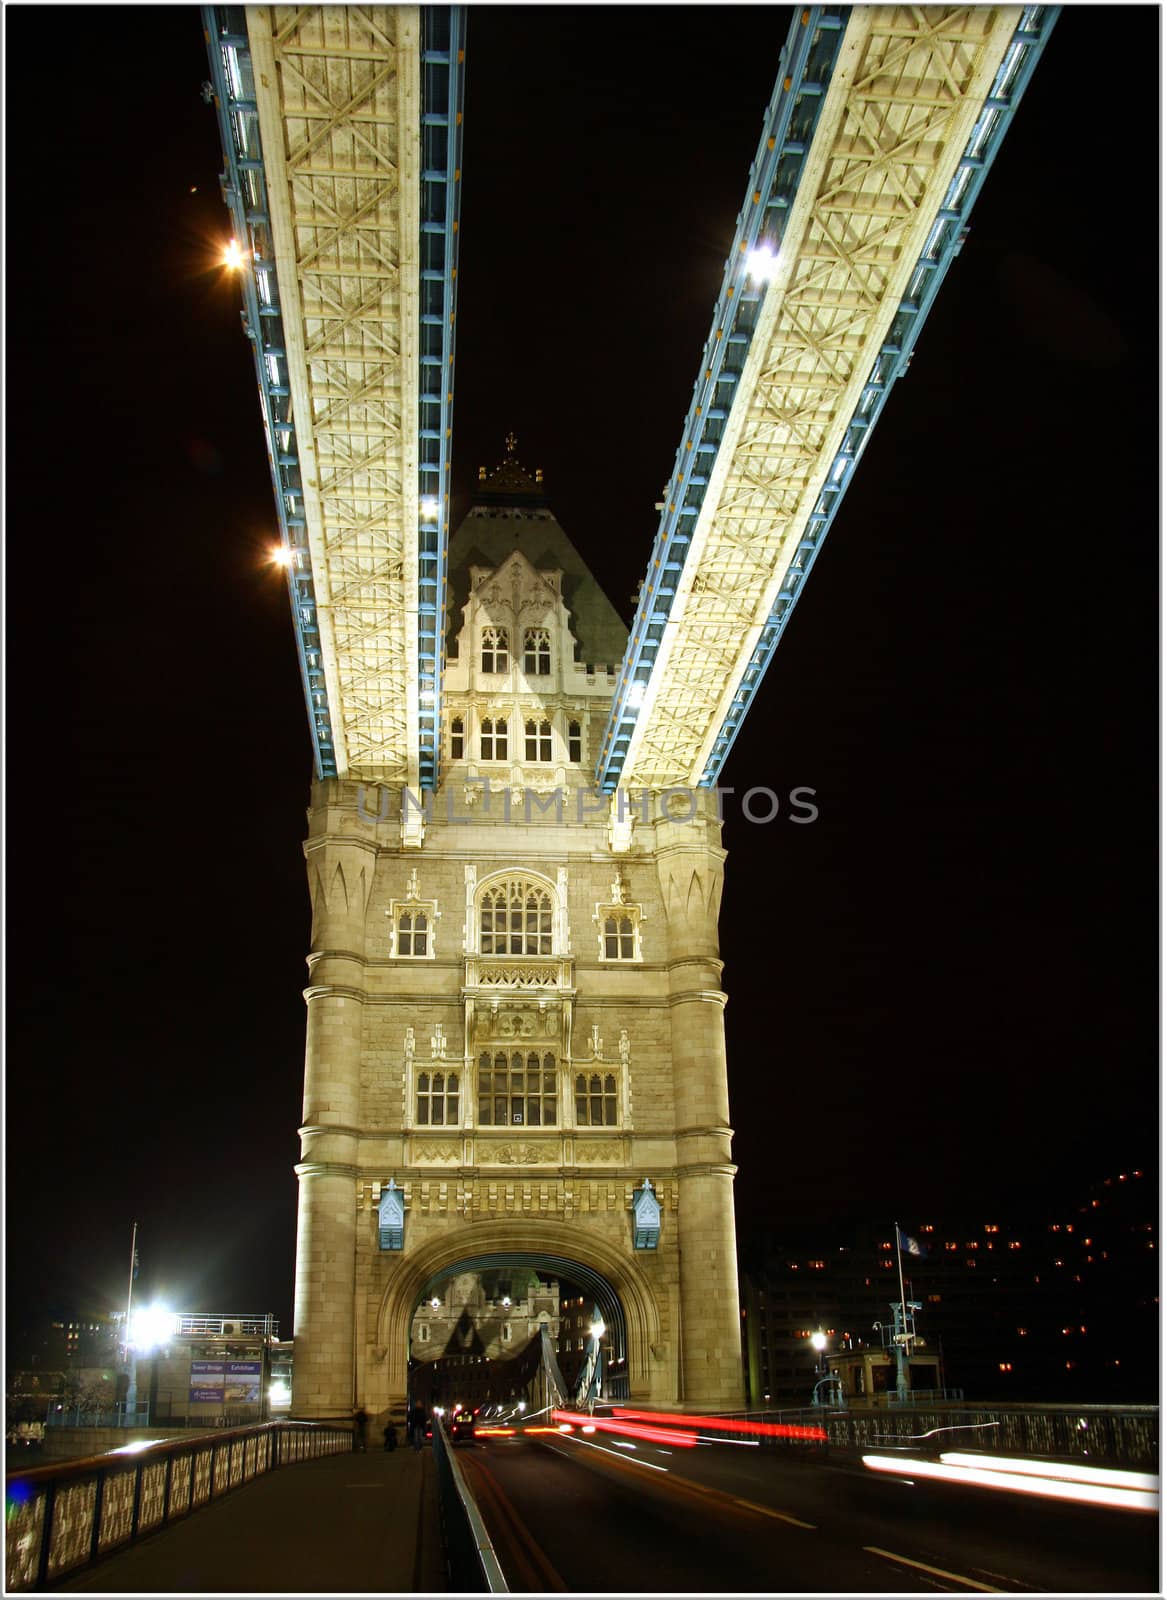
[[234, 257], [762, 264], [280, 556], [428, 509], [151, 1326], [819, 1341], [598, 1330]]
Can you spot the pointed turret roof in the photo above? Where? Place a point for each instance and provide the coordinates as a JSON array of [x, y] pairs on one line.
[[510, 512]]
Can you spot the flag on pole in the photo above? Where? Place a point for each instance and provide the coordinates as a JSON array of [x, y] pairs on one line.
[[910, 1246]]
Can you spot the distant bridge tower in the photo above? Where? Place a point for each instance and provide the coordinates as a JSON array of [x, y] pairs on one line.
[[515, 1047]]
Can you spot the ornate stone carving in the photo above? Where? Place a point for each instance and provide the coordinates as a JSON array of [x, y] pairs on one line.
[[516, 1022], [435, 1152], [625, 1047], [518, 1154], [611, 1151], [516, 977]]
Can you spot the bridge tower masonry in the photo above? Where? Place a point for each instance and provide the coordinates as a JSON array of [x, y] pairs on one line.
[[515, 1013]]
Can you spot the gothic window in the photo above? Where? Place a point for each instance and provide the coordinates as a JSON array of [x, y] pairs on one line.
[[574, 742], [619, 937], [595, 1100], [515, 919], [414, 922], [412, 933], [423, 1333], [506, 1333], [537, 652], [495, 645], [437, 1100], [538, 741], [493, 742], [516, 1089], [457, 739]]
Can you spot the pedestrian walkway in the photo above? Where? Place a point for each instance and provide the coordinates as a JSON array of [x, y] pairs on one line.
[[349, 1524]]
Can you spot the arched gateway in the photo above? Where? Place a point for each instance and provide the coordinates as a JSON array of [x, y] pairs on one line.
[[515, 1040]]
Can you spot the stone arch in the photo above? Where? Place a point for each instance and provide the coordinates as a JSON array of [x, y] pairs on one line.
[[559, 1245]]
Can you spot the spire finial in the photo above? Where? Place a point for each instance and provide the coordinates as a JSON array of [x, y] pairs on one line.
[[512, 444]]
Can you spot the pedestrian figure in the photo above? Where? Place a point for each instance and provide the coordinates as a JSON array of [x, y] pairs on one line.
[[418, 1428], [390, 1436], [360, 1418]]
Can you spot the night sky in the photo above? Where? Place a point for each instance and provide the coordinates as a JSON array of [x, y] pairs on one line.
[[942, 993]]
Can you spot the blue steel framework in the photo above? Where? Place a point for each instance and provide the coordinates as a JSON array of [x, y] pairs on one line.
[[244, 185], [804, 70], [443, 46]]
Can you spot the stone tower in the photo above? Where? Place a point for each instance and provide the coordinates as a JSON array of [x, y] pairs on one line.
[[515, 1043]]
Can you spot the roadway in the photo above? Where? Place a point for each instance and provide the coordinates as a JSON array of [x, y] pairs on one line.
[[570, 1514]]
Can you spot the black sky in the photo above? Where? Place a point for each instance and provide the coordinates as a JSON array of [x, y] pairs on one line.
[[942, 993]]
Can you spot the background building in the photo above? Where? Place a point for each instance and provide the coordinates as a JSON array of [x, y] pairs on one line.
[[1058, 1308]]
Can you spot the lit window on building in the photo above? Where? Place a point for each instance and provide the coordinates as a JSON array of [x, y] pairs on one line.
[[495, 649], [412, 933], [595, 1100], [515, 919], [574, 742], [537, 741], [493, 739], [537, 652], [516, 1089], [437, 1100], [457, 739]]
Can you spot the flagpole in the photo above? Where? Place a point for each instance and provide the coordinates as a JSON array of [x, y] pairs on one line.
[[900, 1265], [130, 1291]]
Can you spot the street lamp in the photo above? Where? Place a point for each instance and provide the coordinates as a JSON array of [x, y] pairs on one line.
[[819, 1343]]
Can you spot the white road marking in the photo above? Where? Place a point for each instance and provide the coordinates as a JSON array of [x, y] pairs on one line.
[[937, 1572], [631, 1460], [766, 1511]]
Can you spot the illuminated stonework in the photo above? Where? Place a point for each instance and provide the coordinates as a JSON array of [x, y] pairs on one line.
[[522, 1074]]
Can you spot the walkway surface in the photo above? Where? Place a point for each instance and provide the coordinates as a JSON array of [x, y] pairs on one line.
[[350, 1524]]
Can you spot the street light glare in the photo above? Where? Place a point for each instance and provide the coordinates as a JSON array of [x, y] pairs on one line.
[[280, 556], [598, 1329], [819, 1341], [234, 257], [762, 264], [151, 1326]]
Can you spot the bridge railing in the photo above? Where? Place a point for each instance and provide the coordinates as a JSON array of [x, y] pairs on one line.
[[471, 1564], [119, 1416], [67, 1516]]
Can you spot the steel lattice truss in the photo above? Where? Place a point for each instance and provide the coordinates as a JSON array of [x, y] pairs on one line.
[[337, 90], [906, 91]]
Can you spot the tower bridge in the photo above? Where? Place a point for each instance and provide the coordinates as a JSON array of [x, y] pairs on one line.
[[515, 1048]]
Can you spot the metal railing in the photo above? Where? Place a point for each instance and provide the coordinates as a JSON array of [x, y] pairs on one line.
[[67, 1516], [914, 1398], [119, 1416], [471, 1564]]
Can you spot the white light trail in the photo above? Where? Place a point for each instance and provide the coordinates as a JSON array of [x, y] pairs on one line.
[[1018, 1483]]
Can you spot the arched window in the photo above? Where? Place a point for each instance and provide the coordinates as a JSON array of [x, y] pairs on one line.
[[412, 933], [515, 919], [495, 647], [595, 1100], [537, 652], [457, 739], [538, 741], [619, 938], [574, 742], [437, 1100], [517, 1088], [493, 743]]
